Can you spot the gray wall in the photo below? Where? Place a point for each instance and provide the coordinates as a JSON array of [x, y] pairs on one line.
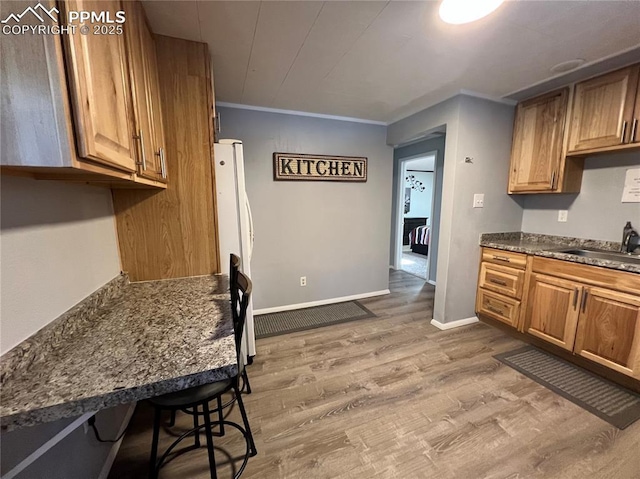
[[412, 151], [480, 129], [58, 246], [335, 234], [596, 212]]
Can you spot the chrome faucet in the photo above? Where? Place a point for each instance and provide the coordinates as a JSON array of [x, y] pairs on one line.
[[630, 239]]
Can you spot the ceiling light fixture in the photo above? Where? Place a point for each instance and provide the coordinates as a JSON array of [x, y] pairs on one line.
[[568, 65], [458, 12]]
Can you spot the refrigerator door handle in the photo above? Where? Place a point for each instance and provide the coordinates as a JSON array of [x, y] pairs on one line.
[[251, 237]]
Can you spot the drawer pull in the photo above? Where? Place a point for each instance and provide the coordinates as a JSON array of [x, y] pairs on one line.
[[498, 281], [502, 258], [495, 310], [575, 297]]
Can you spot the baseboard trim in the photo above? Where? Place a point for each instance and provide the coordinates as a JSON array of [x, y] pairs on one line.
[[106, 468], [430, 281], [454, 324], [322, 302]]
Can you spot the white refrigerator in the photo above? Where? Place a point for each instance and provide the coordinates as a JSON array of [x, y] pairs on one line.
[[235, 224]]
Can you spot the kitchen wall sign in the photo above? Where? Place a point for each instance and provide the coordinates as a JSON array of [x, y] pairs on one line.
[[295, 166]]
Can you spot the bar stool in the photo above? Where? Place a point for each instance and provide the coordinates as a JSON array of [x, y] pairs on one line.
[[198, 397]]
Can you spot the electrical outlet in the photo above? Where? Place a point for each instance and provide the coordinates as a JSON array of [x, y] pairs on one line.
[[562, 216], [478, 200], [303, 280]]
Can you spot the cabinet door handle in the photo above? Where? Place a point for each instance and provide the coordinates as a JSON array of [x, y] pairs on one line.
[[144, 155], [634, 129], [501, 258], [624, 130], [553, 180], [498, 281], [583, 306], [163, 164], [576, 292]]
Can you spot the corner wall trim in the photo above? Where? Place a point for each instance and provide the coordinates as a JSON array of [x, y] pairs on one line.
[[322, 302], [300, 113], [108, 463], [430, 281], [454, 324]]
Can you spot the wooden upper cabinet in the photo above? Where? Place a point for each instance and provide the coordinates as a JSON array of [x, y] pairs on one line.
[[537, 151], [552, 310], [603, 111], [98, 74], [609, 330], [148, 131], [634, 137]]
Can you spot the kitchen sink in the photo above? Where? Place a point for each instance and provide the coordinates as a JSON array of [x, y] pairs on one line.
[[599, 254]]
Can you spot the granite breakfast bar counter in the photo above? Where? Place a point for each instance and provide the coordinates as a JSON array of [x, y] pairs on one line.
[[126, 342]]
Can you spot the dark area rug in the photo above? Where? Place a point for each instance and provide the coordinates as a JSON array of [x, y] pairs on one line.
[[607, 400], [274, 324]]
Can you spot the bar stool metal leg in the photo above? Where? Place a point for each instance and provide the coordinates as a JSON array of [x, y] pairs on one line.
[[220, 415], [209, 434], [245, 377], [153, 469], [196, 430], [245, 420]]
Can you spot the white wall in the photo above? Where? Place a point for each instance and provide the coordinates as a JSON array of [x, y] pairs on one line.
[[58, 245], [597, 211], [420, 206], [480, 129], [336, 234]]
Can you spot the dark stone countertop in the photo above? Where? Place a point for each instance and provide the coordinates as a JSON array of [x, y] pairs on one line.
[[547, 246], [125, 342]]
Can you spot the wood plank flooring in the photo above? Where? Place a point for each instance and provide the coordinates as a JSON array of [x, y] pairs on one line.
[[394, 397]]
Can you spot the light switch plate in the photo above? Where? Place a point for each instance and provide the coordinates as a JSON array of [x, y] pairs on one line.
[[562, 216], [478, 200]]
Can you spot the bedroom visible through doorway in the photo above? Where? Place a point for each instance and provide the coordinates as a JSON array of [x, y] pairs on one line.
[[416, 211]]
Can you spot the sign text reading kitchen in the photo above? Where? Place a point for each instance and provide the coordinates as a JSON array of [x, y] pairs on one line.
[[294, 166]]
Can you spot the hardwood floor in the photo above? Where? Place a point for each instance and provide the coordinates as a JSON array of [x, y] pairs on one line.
[[394, 397]]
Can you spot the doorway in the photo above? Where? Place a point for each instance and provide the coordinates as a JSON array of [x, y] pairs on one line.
[[416, 189]]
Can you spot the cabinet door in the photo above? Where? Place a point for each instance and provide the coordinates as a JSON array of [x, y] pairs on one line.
[[552, 310], [603, 110], [100, 91], [137, 35], [153, 95], [537, 143], [609, 330]]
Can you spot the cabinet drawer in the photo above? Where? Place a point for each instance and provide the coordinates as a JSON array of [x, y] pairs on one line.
[[505, 258], [498, 307], [502, 279]]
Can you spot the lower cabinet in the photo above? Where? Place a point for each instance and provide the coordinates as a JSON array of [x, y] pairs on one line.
[[609, 330], [589, 311], [552, 310]]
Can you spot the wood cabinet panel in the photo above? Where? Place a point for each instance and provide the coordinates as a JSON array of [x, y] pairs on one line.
[[603, 110], [634, 137], [552, 310], [504, 258], [501, 279], [98, 73], [609, 330], [586, 274], [498, 307], [173, 233], [537, 150]]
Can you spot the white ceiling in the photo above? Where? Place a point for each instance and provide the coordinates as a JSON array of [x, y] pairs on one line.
[[383, 60]]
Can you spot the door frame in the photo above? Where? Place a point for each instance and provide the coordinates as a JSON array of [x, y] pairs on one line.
[[399, 227]]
